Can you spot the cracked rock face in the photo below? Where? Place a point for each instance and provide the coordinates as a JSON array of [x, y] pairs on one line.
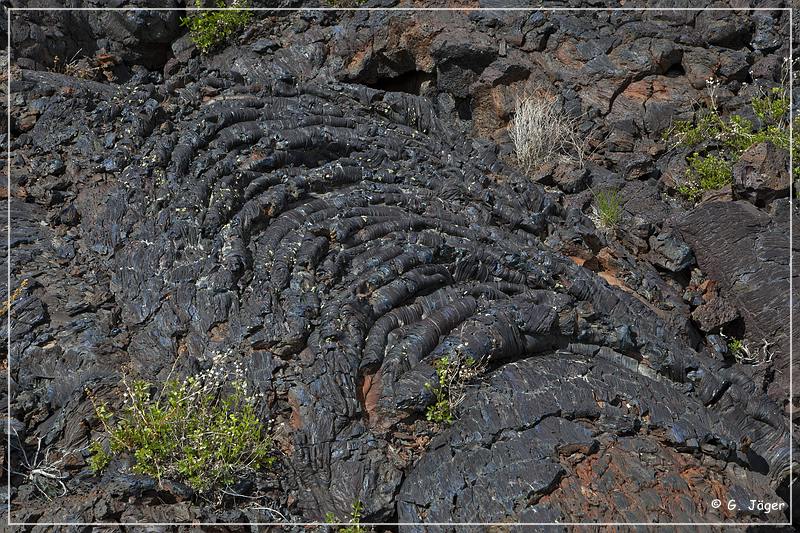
[[337, 239]]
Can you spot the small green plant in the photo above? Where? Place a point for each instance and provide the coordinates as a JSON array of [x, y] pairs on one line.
[[609, 207], [99, 458], [746, 353], [772, 107], [210, 29], [688, 133], [736, 133], [733, 135], [354, 521], [452, 376], [440, 410], [736, 347], [199, 431], [705, 174]]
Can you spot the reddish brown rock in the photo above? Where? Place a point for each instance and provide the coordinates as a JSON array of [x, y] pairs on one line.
[[715, 315], [762, 174]]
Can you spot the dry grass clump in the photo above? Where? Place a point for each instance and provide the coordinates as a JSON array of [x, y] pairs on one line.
[[542, 132], [99, 67]]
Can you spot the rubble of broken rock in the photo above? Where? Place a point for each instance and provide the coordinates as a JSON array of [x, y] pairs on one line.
[[333, 200]]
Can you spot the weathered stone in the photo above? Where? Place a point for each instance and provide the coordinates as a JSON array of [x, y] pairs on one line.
[[722, 31], [637, 166], [715, 314], [264, 45], [761, 174], [723, 194], [653, 102], [767, 68], [702, 64], [643, 199], [570, 179], [137, 37], [558, 435], [668, 251], [729, 238], [765, 35], [623, 136]]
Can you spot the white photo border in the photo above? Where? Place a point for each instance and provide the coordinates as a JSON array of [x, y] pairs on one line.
[[11, 10]]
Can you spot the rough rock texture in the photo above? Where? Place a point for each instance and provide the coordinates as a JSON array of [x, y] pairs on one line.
[[332, 201], [138, 37], [537, 445], [745, 250], [762, 174], [715, 314]]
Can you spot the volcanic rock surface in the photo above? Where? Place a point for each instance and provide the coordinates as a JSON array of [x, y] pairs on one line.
[[332, 202]]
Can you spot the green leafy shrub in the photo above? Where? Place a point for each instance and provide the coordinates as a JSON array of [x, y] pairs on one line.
[[706, 174], [688, 133], [354, 521], [735, 347], [198, 431], [210, 29], [772, 107], [99, 459], [737, 133], [734, 135], [609, 208], [440, 410], [452, 376]]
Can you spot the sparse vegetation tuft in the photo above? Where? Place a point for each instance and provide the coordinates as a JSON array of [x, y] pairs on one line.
[[453, 373], [43, 474], [736, 347], [13, 297], [354, 520], [608, 206], [210, 29], [199, 431], [746, 354], [542, 132], [99, 67]]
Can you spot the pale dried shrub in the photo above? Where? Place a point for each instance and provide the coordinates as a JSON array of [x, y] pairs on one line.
[[542, 132]]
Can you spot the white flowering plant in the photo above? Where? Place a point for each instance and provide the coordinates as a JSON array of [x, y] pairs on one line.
[[731, 135], [203, 430]]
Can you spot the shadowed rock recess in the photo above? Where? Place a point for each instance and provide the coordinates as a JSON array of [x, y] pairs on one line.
[[331, 200]]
